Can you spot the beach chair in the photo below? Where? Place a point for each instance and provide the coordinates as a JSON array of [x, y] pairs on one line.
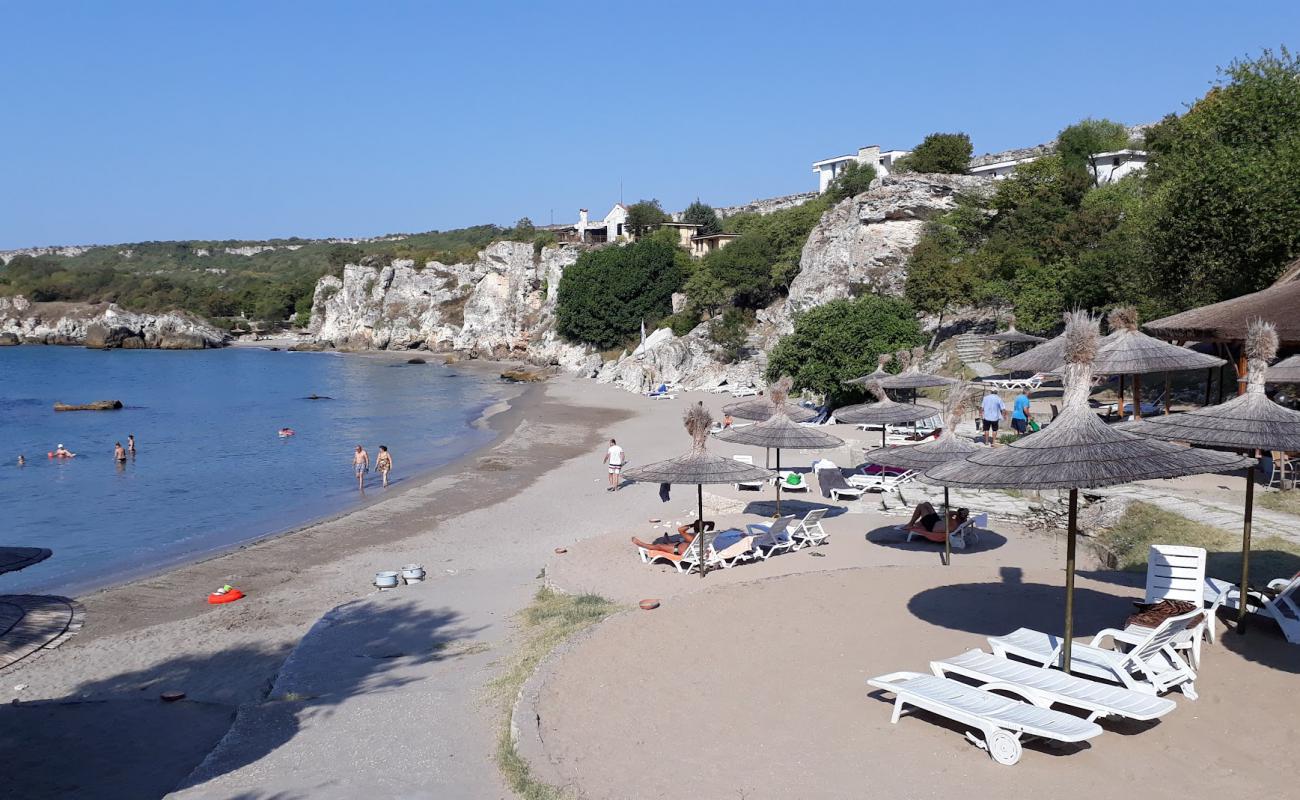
[[1150, 666], [771, 538], [833, 485], [744, 391], [685, 563], [1000, 720], [809, 532], [1283, 469], [748, 484], [1177, 572], [1046, 687], [1280, 601], [888, 480], [800, 481], [731, 547], [958, 536], [663, 396]]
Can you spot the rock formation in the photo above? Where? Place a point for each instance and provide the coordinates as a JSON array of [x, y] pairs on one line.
[[103, 325]]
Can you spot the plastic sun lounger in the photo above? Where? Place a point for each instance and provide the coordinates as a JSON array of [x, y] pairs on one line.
[[748, 484], [809, 532], [732, 553], [1001, 720], [745, 391], [772, 538], [1150, 666], [957, 536], [1046, 687], [784, 477], [1283, 607], [833, 485]]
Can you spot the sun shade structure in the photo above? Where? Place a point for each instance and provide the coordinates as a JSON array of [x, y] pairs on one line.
[[884, 412], [13, 559], [1077, 451], [914, 378], [1285, 371], [1043, 358], [1249, 421], [880, 374], [780, 432], [1013, 336], [698, 467], [760, 408], [923, 456], [1229, 321]]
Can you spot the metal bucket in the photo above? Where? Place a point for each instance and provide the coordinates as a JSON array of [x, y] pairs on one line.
[[386, 580], [413, 573]]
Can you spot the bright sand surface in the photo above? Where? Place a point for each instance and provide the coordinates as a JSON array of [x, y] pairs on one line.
[[383, 696]]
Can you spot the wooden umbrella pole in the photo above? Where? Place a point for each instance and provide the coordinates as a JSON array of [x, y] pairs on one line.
[[947, 529], [1245, 549], [1121, 397], [699, 531], [778, 482], [1166, 403], [1137, 399], [1241, 372], [1069, 580]]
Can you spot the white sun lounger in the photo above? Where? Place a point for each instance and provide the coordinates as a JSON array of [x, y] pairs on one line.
[[959, 535], [1048, 687], [1150, 666], [689, 561], [801, 486], [1177, 572], [1001, 720], [748, 484], [1283, 607], [744, 391], [738, 551], [887, 481], [772, 538]]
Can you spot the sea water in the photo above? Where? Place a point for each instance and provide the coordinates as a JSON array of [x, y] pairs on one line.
[[210, 470]]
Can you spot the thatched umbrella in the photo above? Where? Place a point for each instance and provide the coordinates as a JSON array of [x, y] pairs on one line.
[[880, 374], [1247, 422], [780, 432], [1077, 451], [914, 378], [1285, 371], [1043, 358], [1129, 351], [884, 412], [923, 456], [1013, 336], [760, 408], [698, 467]]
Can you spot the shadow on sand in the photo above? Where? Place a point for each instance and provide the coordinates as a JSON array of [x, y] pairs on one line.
[[890, 536], [767, 508], [117, 739]]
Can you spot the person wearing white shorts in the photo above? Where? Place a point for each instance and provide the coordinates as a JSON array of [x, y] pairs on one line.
[[615, 458]]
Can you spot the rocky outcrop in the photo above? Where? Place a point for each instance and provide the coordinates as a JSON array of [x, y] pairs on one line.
[[36, 252], [864, 241], [101, 326]]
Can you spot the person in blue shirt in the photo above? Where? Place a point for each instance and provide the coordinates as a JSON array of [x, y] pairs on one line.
[[993, 410], [1020, 415]]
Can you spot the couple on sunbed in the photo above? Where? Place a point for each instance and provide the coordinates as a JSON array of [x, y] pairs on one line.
[[928, 523]]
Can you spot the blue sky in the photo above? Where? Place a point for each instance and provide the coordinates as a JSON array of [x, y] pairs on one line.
[[129, 121]]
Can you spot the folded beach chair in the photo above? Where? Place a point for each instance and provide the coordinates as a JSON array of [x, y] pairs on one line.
[[1281, 602], [809, 532], [773, 537], [1049, 687], [1150, 666], [833, 485], [748, 484], [1000, 720]]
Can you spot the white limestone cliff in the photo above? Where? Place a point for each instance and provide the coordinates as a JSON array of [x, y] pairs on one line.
[[102, 325]]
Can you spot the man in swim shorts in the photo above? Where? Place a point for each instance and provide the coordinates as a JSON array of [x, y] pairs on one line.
[[119, 453], [361, 465], [384, 462]]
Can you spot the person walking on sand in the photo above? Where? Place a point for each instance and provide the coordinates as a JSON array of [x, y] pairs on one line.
[[119, 453], [615, 458], [384, 462], [361, 465], [993, 410], [1020, 414]]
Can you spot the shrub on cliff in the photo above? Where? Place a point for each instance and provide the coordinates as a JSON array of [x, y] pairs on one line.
[[1080, 143], [841, 340], [852, 181], [757, 267], [947, 153], [643, 216], [702, 214], [604, 297]]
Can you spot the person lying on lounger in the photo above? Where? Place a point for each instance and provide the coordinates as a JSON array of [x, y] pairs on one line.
[[675, 547], [927, 522]]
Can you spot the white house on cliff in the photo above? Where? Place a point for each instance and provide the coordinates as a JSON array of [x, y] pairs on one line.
[[828, 169]]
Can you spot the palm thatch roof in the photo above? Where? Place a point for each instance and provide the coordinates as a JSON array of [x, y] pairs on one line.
[[1229, 321], [1285, 371], [1013, 336], [871, 377], [778, 430], [914, 378], [699, 466], [1078, 450], [948, 447], [1044, 358], [1246, 422], [884, 411], [1128, 351], [760, 408]]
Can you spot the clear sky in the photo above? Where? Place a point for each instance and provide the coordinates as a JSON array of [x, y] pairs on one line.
[[128, 121]]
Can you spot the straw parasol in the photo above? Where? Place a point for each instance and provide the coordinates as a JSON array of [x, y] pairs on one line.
[[1013, 336], [880, 374], [1229, 320], [884, 412], [13, 559], [780, 432], [914, 378], [923, 456], [1043, 358], [760, 408], [1077, 451], [698, 466], [1285, 371], [1249, 421]]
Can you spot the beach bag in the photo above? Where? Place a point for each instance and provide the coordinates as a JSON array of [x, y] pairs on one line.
[[1034, 427], [793, 479]]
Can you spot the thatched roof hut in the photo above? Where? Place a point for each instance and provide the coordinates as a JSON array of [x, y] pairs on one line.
[[1285, 371], [1229, 320]]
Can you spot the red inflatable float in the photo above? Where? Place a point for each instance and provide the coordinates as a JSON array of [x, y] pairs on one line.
[[226, 594]]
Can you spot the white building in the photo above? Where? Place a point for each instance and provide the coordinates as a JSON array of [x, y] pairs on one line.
[[828, 169], [610, 229], [1110, 167]]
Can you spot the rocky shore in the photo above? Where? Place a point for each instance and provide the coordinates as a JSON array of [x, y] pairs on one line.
[[101, 326]]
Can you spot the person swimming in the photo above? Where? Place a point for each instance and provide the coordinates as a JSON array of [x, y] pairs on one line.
[[286, 433], [62, 452], [22, 460]]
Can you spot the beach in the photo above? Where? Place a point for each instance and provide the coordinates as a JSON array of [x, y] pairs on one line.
[[318, 685]]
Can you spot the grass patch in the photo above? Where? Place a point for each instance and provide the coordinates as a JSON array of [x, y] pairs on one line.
[[552, 618], [1286, 502], [1144, 525]]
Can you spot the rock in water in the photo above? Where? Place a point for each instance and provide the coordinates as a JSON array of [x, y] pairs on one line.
[[98, 405], [416, 361], [524, 375]]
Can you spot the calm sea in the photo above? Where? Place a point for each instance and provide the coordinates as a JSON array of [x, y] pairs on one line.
[[211, 470]]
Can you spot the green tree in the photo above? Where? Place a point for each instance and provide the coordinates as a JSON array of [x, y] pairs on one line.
[[852, 181], [644, 216], [1079, 144], [947, 153], [730, 332], [603, 298], [938, 274], [702, 214], [841, 340], [705, 292]]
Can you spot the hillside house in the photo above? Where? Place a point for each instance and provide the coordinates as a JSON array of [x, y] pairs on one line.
[[828, 169], [610, 229], [701, 246], [1110, 167]]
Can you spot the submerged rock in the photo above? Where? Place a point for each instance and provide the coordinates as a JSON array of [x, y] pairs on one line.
[[98, 405]]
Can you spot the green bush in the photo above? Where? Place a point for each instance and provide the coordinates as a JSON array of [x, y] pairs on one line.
[[605, 296], [939, 152], [681, 323], [852, 181], [730, 332]]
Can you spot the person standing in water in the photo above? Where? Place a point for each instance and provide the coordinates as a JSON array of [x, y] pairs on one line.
[[361, 465], [119, 453], [130, 444], [384, 463]]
